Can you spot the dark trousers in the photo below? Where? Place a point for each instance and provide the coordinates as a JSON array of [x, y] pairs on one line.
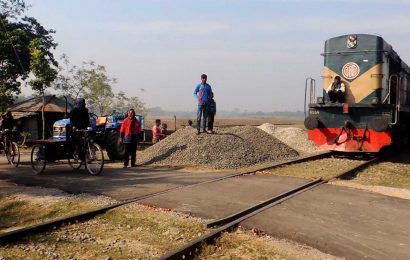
[[211, 118], [130, 149], [336, 95], [202, 112]]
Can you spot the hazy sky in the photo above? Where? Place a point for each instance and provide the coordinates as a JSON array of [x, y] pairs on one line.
[[257, 54]]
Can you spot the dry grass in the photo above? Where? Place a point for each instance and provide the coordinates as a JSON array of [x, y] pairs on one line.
[[391, 173], [142, 232], [256, 121], [247, 245], [20, 211], [325, 168], [128, 232]]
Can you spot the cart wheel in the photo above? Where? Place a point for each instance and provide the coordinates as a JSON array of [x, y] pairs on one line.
[[13, 154], [75, 163], [38, 160], [94, 159]]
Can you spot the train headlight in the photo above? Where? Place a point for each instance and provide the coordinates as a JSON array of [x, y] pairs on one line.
[[374, 101], [311, 122], [320, 100]]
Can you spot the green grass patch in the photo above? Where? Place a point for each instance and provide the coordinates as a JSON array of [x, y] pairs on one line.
[[11, 211]]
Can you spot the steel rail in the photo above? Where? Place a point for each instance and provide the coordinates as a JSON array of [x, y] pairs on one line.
[[231, 222], [15, 235], [189, 250], [271, 202], [287, 194]]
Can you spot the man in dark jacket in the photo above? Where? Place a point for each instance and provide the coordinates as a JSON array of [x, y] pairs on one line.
[[79, 120], [7, 122], [211, 115], [79, 117]]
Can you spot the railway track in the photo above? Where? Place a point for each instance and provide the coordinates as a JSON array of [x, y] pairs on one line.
[[15, 235], [230, 223]]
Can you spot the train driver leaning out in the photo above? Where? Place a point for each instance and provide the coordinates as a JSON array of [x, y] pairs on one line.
[[336, 90]]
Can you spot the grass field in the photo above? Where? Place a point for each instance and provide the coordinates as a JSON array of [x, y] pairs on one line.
[[224, 121]]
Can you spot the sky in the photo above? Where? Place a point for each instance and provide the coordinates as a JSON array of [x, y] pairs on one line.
[[257, 54]]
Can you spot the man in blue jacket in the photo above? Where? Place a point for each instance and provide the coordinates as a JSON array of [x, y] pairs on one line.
[[203, 92]]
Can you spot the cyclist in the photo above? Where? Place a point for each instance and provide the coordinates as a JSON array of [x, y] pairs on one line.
[[79, 117], [7, 122], [79, 120]]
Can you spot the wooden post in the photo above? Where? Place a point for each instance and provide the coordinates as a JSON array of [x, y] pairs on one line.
[[42, 116]]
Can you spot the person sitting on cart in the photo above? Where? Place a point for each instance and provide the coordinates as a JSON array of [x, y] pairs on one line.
[[79, 120]]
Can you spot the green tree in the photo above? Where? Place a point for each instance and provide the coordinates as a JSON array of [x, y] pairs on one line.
[[97, 88], [43, 71], [16, 36], [91, 81], [12, 8], [138, 105], [120, 102], [41, 67]]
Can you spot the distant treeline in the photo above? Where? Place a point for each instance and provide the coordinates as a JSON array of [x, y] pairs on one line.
[[158, 111]]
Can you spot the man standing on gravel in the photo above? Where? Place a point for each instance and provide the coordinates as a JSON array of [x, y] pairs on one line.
[[203, 92]]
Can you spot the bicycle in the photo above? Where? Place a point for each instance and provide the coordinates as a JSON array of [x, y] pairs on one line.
[[10, 148]]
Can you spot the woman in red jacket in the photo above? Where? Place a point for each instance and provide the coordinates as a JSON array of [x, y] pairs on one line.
[[130, 128]]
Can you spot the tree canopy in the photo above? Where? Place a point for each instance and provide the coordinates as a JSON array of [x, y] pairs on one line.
[[92, 82], [97, 88], [20, 39], [71, 79]]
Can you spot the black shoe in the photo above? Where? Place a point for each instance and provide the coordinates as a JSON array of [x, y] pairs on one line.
[[125, 166], [134, 165], [198, 132]]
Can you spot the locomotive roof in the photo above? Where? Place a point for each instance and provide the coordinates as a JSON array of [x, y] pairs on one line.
[[373, 43]]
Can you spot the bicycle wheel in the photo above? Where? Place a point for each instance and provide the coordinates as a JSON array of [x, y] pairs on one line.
[[38, 159], [13, 154], [94, 158], [75, 163]]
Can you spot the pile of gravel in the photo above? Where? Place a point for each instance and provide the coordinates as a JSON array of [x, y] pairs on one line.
[[229, 148], [295, 138]]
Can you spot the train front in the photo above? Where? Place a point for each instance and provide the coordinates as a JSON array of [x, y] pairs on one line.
[[362, 122]]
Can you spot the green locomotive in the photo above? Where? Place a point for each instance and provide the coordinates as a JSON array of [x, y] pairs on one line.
[[375, 110]]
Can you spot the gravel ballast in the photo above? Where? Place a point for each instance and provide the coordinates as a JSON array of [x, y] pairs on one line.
[[229, 148], [295, 138]]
